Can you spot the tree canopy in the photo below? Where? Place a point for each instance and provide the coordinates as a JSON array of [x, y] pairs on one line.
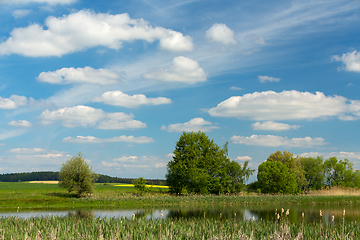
[[76, 175], [200, 166]]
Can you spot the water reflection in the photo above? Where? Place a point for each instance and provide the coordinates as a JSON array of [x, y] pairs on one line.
[[241, 213]]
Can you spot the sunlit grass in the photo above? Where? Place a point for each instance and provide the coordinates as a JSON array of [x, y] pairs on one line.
[[132, 185]]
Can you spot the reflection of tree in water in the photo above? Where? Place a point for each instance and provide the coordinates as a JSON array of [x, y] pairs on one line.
[[212, 213], [83, 213]]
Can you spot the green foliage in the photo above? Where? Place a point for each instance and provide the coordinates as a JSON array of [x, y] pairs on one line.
[[341, 173], [76, 175], [314, 172], [139, 185], [201, 166], [274, 177], [294, 166]]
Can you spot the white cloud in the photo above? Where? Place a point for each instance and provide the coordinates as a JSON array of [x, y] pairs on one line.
[[75, 116], [277, 141], [170, 155], [183, 70], [15, 101], [126, 159], [351, 60], [264, 79], [118, 98], [123, 138], [27, 150], [19, 13], [135, 164], [235, 88], [80, 75], [243, 158], [273, 126], [85, 29], [5, 134], [6, 103], [194, 125], [37, 1], [340, 155], [20, 123], [87, 116], [286, 105], [221, 33]]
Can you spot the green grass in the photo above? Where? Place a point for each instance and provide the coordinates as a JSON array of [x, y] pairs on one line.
[[38, 195], [140, 228]]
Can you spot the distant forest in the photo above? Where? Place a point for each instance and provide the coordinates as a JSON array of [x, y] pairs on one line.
[[54, 176]]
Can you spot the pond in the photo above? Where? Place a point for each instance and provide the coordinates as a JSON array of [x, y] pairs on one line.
[[253, 213]]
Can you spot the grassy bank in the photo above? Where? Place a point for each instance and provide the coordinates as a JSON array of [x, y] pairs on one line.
[[113, 228], [37, 195]]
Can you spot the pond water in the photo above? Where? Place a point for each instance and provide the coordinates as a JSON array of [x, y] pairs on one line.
[[256, 212]]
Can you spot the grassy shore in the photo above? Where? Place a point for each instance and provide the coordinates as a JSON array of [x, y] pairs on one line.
[[114, 228], [49, 196]]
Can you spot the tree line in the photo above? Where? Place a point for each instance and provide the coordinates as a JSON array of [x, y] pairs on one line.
[[200, 166], [283, 172], [54, 176]]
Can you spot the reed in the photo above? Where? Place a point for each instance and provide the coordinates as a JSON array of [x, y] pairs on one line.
[[140, 228]]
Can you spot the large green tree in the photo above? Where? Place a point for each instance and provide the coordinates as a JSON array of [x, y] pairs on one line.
[[77, 176], [275, 177], [200, 166]]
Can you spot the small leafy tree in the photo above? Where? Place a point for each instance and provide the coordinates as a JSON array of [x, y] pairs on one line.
[[140, 184], [274, 177], [314, 172], [77, 176]]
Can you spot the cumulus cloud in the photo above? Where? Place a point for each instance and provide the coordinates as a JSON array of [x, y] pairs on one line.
[[351, 61], [126, 159], [118, 98], [81, 75], [183, 70], [221, 33], [85, 29], [52, 2], [20, 123], [195, 124], [340, 155], [87, 116], [122, 138], [264, 79], [15, 101], [270, 105], [19, 13], [273, 126], [243, 158], [277, 141]]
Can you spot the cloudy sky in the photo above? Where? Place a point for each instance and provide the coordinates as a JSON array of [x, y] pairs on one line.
[[120, 81]]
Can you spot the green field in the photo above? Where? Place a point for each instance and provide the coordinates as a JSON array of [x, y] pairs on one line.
[[49, 196]]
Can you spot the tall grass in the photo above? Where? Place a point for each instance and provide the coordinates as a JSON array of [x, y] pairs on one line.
[[134, 228]]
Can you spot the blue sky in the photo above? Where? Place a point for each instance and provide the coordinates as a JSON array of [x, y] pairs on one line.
[[120, 81]]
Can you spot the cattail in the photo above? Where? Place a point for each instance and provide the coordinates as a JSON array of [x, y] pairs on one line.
[[235, 215], [253, 218], [287, 212], [333, 218], [320, 213], [344, 212], [303, 214], [161, 214], [133, 216], [18, 209], [278, 216], [282, 210]]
